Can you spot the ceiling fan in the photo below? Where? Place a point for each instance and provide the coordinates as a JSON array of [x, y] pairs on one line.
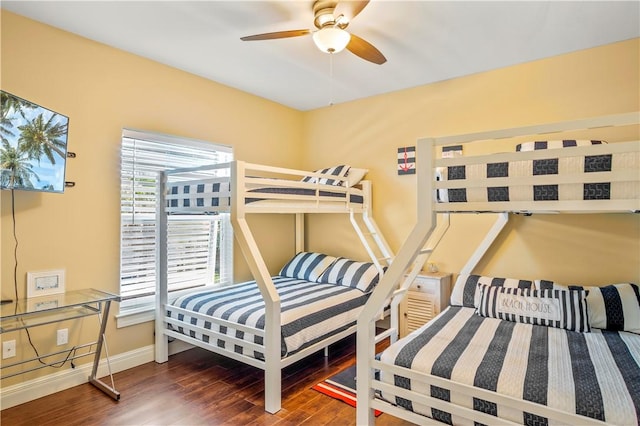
[[331, 18]]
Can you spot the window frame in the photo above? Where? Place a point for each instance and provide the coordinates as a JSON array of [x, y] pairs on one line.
[[144, 310]]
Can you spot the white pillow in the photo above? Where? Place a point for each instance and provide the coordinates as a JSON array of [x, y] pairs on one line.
[[354, 176]]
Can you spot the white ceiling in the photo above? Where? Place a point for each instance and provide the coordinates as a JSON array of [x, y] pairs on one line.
[[423, 41]]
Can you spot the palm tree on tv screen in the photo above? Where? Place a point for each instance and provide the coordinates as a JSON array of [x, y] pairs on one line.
[[10, 105], [33, 138], [17, 163], [43, 137]]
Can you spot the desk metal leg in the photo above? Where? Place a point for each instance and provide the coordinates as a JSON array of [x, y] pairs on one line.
[[96, 361]]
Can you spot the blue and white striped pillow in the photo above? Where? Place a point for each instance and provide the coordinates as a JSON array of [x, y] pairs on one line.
[[612, 307], [465, 291], [552, 308], [338, 171], [307, 266], [350, 273]]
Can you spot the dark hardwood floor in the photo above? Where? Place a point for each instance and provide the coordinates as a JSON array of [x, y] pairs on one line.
[[197, 387]]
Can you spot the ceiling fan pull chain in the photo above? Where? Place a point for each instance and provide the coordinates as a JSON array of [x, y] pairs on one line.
[[330, 79]]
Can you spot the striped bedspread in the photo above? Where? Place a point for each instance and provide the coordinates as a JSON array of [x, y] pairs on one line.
[[310, 311], [593, 374]]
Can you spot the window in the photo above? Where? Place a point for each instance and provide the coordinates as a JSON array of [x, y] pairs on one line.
[[200, 247]]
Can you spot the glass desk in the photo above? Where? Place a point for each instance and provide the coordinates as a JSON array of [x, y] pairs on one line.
[[37, 311]]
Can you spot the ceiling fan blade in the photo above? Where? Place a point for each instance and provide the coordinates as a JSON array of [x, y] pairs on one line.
[[365, 50], [278, 34], [350, 9]]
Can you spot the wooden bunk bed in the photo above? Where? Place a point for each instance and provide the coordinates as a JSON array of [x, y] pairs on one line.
[[468, 366], [261, 335]]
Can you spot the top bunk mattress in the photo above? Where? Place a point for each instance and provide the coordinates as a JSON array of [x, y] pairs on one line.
[[265, 189], [593, 374], [218, 194], [591, 176]]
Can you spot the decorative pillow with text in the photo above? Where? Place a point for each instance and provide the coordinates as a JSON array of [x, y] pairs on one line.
[[552, 308]]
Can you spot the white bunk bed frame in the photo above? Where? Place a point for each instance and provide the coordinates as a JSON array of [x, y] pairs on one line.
[[243, 177], [426, 235]]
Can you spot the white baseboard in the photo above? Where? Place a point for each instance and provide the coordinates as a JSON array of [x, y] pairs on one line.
[[20, 393]]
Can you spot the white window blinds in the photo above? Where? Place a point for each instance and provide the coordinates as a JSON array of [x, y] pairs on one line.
[[200, 247]]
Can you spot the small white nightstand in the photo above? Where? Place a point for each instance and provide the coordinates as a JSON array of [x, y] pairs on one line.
[[427, 296]]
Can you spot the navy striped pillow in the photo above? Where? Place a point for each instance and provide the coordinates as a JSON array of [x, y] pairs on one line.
[[338, 171], [349, 273], [465, 291], [307, 266], [552, 308], [612, 307]]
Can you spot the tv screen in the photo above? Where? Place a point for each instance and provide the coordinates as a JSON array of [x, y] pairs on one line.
[[34, 146]]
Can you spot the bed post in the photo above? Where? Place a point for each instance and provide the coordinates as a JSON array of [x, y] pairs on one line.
[[299, 230], [162, 343], [365, 340], [242, 232]]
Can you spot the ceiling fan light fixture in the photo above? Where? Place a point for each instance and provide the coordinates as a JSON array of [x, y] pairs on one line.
[[331, 39]]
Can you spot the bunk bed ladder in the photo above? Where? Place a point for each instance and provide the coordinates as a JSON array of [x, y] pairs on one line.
[[372, 239], [425, 253]]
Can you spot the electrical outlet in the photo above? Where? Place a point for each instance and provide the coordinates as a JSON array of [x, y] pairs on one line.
[[63, 336], [8, 349]]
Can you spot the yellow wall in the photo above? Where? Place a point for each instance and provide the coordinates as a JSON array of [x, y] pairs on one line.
[[367, 133], [103, 90]]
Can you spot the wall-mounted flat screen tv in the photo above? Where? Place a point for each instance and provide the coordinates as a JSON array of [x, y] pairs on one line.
[[34, 146]]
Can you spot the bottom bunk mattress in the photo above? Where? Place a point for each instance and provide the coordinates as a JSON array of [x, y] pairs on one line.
[[310, 312], [594, 374]]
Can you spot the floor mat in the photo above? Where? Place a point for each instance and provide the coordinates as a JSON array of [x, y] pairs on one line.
[[341, 386]]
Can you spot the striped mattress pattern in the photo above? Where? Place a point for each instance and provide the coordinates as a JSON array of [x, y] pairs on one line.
[[593, 374], [568, 178], [218, 194], [310, 311]]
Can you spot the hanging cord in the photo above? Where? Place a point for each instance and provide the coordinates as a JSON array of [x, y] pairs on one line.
[[15, 251], [15, 287], [330, 79]]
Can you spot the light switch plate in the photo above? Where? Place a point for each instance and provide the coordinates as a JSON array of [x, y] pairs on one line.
[[62, 337], [8, 349]]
